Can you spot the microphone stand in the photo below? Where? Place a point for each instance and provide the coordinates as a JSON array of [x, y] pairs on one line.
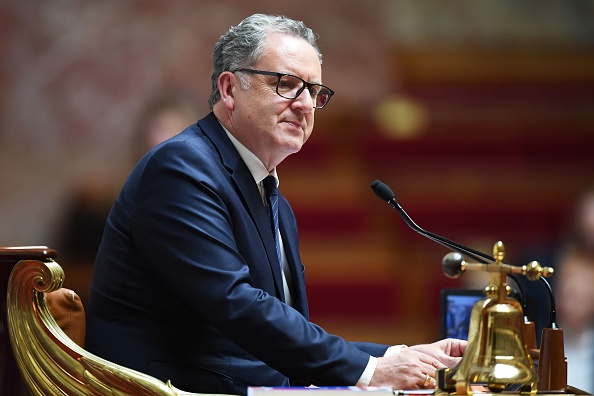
[[385, 193], [552, 365]]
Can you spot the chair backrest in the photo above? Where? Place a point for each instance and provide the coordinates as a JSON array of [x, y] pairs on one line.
[[49, 361], [11, 382]]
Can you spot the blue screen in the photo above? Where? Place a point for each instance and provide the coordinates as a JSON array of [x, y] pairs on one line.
[[457, 320]]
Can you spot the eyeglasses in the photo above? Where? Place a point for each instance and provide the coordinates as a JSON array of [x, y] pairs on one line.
[[289, 86]]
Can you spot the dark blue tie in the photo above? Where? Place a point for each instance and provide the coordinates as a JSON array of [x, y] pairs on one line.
[[271, 189]]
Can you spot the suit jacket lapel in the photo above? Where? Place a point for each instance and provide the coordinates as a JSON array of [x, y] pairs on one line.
[[247, 189]]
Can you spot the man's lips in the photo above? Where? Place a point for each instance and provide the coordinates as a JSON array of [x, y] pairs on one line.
[[295, 123]]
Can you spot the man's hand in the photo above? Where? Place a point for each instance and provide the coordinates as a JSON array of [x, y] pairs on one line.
[[414, 367]]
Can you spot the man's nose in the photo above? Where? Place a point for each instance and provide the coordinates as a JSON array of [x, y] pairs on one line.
[[304, 101]]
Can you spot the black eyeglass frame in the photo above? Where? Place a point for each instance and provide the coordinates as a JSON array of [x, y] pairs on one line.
[[299, 91]]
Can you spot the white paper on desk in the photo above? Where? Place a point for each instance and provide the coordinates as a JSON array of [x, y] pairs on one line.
[[319, 391]]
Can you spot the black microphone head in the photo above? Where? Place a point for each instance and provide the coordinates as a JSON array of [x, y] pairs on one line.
[[382, 190]]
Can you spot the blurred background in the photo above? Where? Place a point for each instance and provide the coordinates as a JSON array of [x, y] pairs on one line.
[[479, 115]]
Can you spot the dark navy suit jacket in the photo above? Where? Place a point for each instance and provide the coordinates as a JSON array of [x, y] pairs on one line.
[[187, 284]]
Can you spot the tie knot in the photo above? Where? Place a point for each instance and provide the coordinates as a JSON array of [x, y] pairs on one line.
[[269, 184]]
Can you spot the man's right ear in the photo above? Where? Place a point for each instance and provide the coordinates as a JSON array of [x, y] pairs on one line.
[[228, 84]]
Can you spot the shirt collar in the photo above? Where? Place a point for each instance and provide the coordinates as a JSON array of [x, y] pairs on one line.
[[255, 166]]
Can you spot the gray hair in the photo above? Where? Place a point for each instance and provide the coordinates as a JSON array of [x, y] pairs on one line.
[[243, 44]]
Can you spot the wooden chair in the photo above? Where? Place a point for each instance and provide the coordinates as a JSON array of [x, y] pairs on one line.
[[48, 360]]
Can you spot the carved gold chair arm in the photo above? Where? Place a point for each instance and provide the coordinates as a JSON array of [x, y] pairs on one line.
[[49, 361]]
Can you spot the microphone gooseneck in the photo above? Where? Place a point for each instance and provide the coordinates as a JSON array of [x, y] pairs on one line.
[[385, 193], [553, 314]]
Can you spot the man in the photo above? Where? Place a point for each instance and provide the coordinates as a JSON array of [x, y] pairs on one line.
[[187, 283]]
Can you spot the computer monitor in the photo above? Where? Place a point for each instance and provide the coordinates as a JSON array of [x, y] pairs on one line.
[[455, 308]]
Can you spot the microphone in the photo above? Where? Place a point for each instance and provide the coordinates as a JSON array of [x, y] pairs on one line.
[[385, 193]]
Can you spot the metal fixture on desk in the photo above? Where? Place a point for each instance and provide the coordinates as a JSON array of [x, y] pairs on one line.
[[496, 355]]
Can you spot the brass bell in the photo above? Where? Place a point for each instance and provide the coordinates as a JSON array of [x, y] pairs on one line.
[[496, 355]]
